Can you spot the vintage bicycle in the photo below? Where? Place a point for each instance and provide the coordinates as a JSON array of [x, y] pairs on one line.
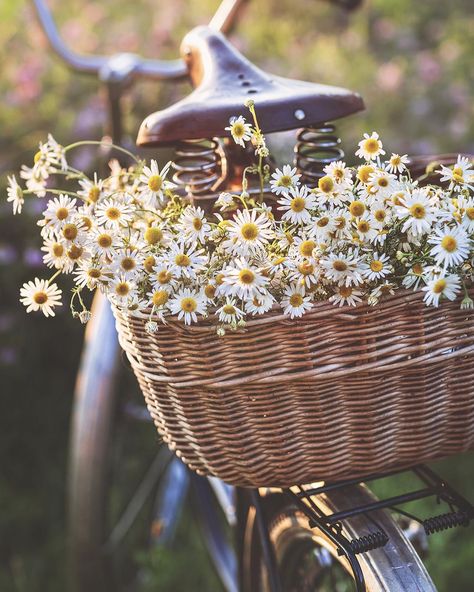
[[322, 536]]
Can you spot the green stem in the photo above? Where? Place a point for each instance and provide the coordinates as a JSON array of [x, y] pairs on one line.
[[54, 276], [101, 143]]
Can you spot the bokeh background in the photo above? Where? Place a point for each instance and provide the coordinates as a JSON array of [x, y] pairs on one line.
[[412, 62]]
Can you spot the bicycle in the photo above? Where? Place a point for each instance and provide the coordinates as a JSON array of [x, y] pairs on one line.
[[277, 548]]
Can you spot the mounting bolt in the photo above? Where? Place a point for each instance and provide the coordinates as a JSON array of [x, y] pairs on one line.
[[299, 114]]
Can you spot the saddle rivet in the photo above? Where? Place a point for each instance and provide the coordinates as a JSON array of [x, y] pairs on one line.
[[300, 114]]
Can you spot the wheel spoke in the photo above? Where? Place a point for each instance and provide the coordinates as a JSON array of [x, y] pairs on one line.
[[139, 498]]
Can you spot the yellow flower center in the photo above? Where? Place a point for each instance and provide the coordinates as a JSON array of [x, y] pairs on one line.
[[149, 263], [70, 231], [155, 182], [159, 298], [364, 172], [338, 173], [357, 208], [122, 289], [40, 297], [326, 184], [246, 276], [285, 181], [37, 156], [439, 286], [449, 243], [86, 222], [75, 252], [182, 260], [376, 265], [104, 241], [371, 146], [398, 198], [188, 304], [379, 215], [340, 222], [228, 309], [210, 291], [128, 263], [363, 226], [417, 269], [164, 277], [395, 161], [307, 247], [305, 268], [94, 273], [382, 182], [339, 265], [197, 223], [94, 193], [457, 171], [249, 231], [279, 261], [112, 213], [298, 204], [458, 178], [58, 250], [470, 213], [345, 291], [153, 235], [322, 222], [418, 211], [296, 300], [62, 213], [219, 278], [238, 129]]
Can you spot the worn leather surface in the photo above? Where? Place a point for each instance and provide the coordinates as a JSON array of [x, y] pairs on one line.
[[223, 79]]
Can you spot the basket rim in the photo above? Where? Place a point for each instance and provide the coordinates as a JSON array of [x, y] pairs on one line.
[[275, 314]]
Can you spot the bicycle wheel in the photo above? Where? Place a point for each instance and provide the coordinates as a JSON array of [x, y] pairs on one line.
[[308, 561]]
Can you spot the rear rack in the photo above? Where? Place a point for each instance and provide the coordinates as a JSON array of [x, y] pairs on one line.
[[460, 513]]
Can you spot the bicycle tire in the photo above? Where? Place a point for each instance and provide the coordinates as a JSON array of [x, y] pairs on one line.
[[395, 567]]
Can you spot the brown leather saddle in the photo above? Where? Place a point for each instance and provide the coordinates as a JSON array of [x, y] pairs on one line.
[[223, 80]]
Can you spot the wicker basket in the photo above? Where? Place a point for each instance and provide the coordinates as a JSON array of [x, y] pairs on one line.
[[341, 392]]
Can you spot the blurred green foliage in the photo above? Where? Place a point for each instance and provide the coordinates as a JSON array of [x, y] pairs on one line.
[[411, 61]]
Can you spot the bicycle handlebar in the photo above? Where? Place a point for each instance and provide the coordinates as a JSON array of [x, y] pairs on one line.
[[125, 64]]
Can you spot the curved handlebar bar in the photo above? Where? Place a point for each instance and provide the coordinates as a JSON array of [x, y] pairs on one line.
[[122, 65]]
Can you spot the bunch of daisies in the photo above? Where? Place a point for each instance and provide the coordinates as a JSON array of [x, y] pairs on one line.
[[359, 235]]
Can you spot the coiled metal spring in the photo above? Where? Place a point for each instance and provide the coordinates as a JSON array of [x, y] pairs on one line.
[[445, 521], [316, 147], [368, 542], [197, 165]]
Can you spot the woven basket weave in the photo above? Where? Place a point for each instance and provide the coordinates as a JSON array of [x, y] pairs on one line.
[[341, 392]]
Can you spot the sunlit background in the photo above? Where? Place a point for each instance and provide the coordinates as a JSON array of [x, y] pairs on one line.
[[411, 61]]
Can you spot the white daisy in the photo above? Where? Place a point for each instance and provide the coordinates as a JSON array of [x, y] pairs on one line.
[[452, 245], [162, 278], [343, 268], [447, 286], [346, 295], [295, 303], [121, 290], [283, 180], [457, 175], [229, 312], [103, 242], [322, 227], [15, 195], [159, 299], [367, 229], [91, 191], [466, 211], [128, 263], [296, 204], [377, 268], [329, 191], [304, 271], [370, 147], [240, 131], [90, 274], [34, 180], [187, 304], [383, 183], [414, 276], [193, 224], [248, 232], [184, 261], [397, 163], [112, 213], [40, 295], [340, 173], [259, 303], [56, 254], [225, 200], [419, 212], [154, 183], [59, 211], [243, 279]]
